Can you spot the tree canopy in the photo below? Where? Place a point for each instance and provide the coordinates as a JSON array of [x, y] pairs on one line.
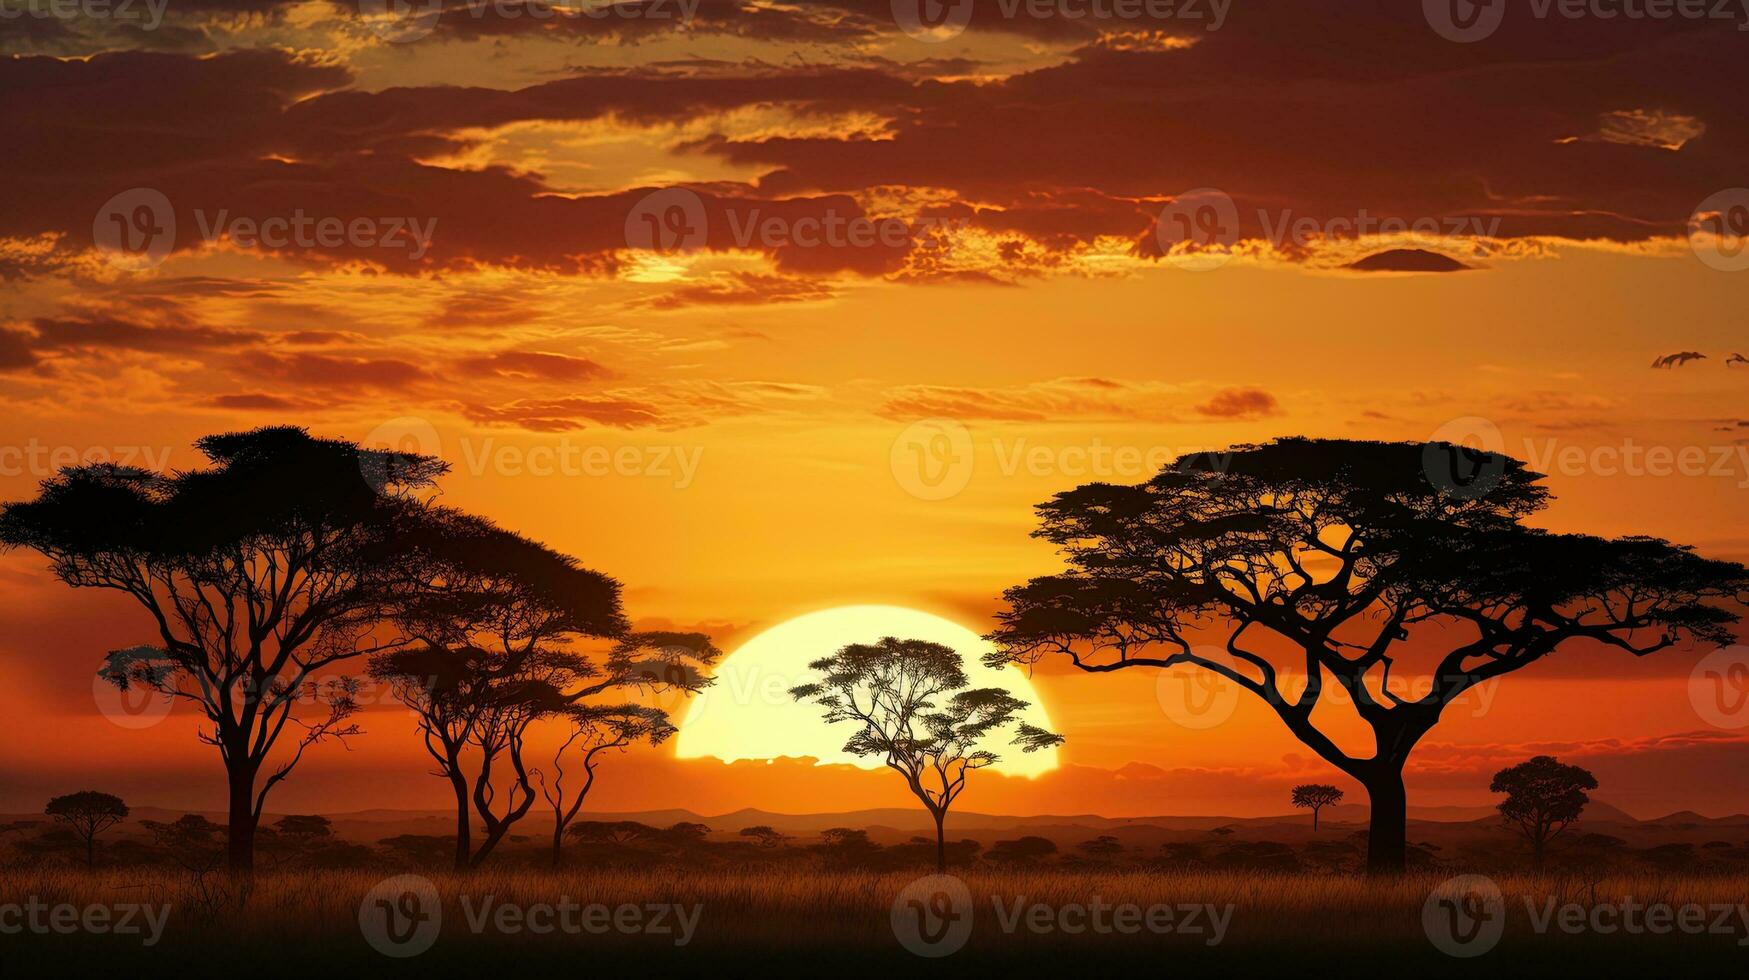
[[1339, 551]]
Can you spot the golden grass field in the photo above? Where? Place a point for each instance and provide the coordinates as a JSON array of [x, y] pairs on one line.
[[293, 923]]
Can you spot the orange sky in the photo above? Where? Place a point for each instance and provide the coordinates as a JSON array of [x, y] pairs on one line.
[[729, 430]]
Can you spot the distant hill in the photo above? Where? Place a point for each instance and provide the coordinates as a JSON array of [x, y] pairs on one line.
[[894, 824]]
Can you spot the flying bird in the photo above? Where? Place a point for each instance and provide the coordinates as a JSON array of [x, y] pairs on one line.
[[1678, 359], [1736, 359]]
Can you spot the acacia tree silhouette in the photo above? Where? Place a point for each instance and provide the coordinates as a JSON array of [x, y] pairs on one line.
[[889, 689], [1315, 797], [493, 615], [1543, 798], [1339, 550], [595, 730], [89, 813], [274, 563]]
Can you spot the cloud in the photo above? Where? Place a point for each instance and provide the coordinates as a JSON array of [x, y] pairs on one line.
[[535, 364], [1239, 403]]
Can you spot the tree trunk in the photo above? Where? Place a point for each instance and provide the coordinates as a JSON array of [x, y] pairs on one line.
[[1387, 830], [240, 851], [941, 842], [558, 841], [91, 852], [1315, 818], [464, 844]]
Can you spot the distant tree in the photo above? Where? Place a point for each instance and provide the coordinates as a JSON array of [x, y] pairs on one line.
[[1221, 831], [88, 813], [421, 850], [617, 832], [190, 840], [890, 691], [1104, 845], [297, 837], [273, 564], [1325, 557], [1315, 797], [1023, 850], [1543, 798], [766, 836], [847, 846]]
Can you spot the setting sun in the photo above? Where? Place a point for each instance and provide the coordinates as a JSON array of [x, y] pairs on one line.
[[748, 713]]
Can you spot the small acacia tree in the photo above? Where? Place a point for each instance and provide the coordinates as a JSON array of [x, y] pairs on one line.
[[1315, 797], [495, 618], [1290, 568], [257, 573], [89, 813], [1543, 798], [910, 702], [594, 731]]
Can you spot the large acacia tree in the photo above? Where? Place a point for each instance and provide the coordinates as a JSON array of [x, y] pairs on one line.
[[1301, 565], [276, 563], [497, 622], [910, 706]]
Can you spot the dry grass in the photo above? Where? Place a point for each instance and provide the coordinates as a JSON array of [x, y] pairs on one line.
[[292, 922]]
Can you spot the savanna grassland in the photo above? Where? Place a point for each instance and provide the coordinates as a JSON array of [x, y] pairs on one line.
[[839, 922]]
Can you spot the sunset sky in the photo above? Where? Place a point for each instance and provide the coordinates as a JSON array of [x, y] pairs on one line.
[[901, 289]]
